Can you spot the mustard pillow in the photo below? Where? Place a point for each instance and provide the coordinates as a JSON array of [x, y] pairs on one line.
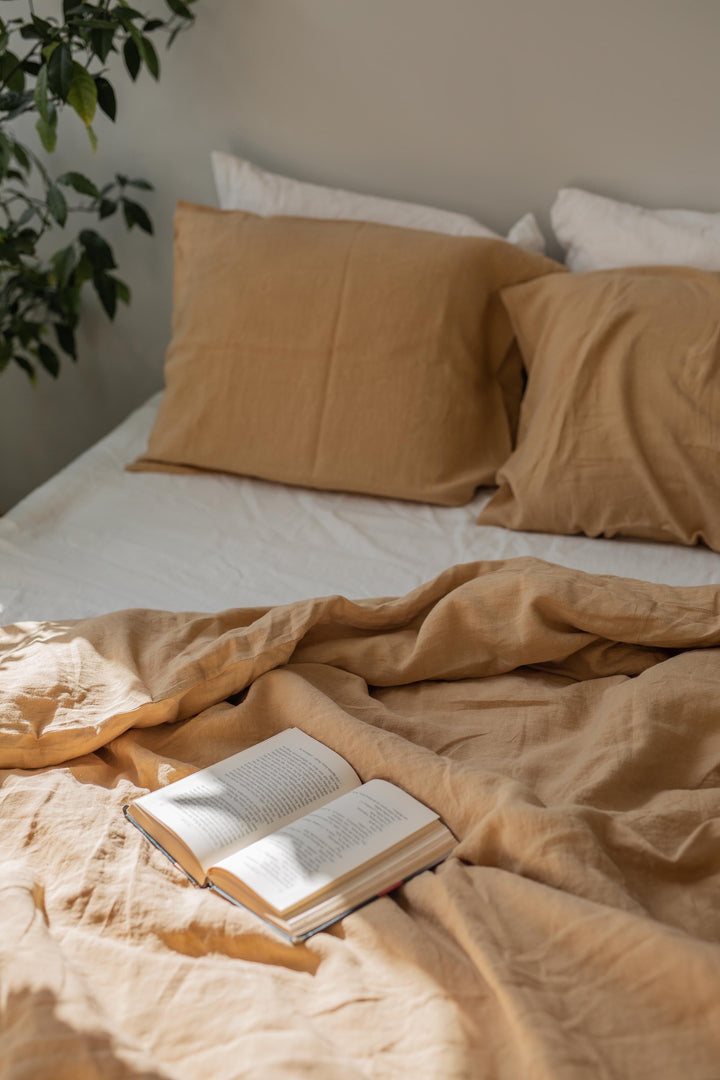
[[620, 425], [340, 355]]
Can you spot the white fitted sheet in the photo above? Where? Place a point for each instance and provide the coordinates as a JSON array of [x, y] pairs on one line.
[[96, 538]]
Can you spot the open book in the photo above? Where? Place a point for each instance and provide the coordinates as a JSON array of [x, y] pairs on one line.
[[287, 829]]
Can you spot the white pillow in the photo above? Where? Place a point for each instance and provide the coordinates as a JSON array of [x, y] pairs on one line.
[[243, 186], [599, 233]]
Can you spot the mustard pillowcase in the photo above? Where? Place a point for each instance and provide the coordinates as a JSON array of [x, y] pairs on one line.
[[340, 355], [620, 425]]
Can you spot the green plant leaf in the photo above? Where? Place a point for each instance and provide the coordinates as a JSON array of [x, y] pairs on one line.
[[27, 215], [98, 250], [64, 262], [29, 331], [47, 130], [38, 30], [124, 11], [85, 23], [122, 290], [61, 67], [143, 185], [5, 154], [83, 94], [131, 56], [27, 367], [79, 183], [66, 339], [135, 214], [106, 289], [41, 92], [49, 359], [179, 8], [12, 75], [92, 137], [101, 42], [152, 24], [8, 254], [106, 97], [24, 241], [107, 208], [21, 156], [174, 34], [147, 52], [83, 270], [56, 204]]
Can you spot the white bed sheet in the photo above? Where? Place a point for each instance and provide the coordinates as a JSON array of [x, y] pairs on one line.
[[96, 538]]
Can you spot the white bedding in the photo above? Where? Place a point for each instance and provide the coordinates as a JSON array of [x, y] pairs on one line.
[[96, 538]]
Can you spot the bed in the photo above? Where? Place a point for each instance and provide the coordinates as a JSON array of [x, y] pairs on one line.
[[98, 539], [553, 696]]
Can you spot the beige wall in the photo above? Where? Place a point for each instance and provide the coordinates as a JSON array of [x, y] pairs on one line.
[[483, 106]]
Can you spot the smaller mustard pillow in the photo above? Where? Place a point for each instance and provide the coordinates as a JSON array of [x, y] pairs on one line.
[[620, 424], [339, 354]]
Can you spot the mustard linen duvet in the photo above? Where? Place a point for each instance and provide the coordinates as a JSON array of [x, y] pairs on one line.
[[566, 727]]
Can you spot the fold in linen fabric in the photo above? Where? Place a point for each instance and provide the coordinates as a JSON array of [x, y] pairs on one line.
[[566, 727]]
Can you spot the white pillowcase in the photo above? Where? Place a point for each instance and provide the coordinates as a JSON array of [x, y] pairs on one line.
[[243, 186], [600, 233]]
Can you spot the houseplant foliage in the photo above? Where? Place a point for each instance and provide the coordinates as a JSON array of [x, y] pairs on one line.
[[47, 66]]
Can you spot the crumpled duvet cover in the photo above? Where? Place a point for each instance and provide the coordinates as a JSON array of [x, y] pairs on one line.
[[565, 726]]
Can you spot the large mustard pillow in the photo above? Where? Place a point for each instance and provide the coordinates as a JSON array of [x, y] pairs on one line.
[[620, 425], [339, 354]]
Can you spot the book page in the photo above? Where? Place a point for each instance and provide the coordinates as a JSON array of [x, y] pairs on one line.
[[247, 796], [303, 857]]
